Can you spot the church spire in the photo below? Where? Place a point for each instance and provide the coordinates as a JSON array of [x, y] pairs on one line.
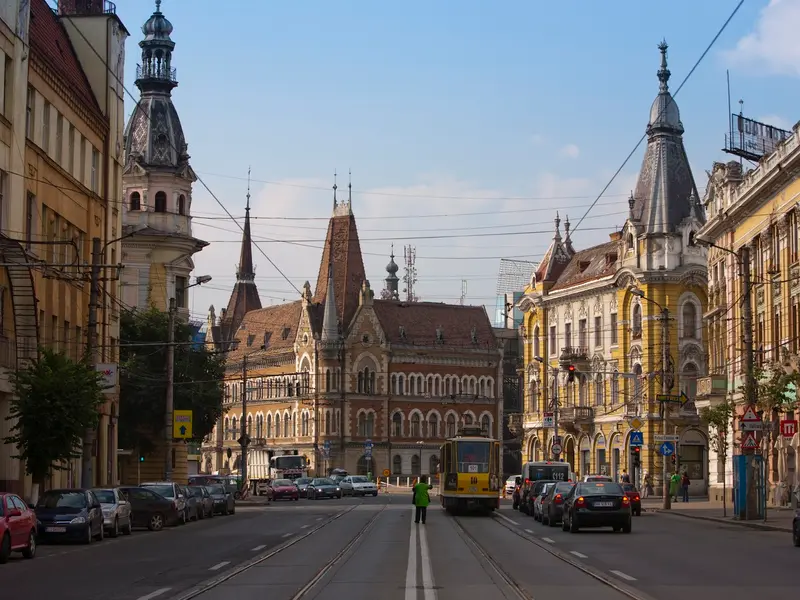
[[330, 318], [245, 271], [155, 74]]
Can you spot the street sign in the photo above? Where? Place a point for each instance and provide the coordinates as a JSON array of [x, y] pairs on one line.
[[681, 398], [666, 438], [749, 441], [667, 449], [754, 425], [368, 449], [109, 372], [368, 444], [750, 416], [637, 438], [386, 472], [635, 423], [556, 449], [182, 424], [548, 420], [788, 428], [327, 445]]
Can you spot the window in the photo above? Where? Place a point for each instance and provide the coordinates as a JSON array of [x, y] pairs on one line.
[[416, 427], [598, 331], [397, 464], [568, 335], [8, 86], [689, 320], [397, 425], [181, 204], [161, 202], [486, 424], [82, 162], [552, 340], [536, 348], [59, 137], [29, 112], [599, 391], [636, 321], [46, 127], [180, 292], [366, 381], [433, 425], [612, 326], [582, 331], [135, 201], [94, 180], [71, 150], [415, 465], [268, 432]]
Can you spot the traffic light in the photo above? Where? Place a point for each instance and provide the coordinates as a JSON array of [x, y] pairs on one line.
[[673, 459], [571, 373], [637, 456], [141, 458]]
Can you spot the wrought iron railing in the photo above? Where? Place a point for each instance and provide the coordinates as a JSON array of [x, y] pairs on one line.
[[576, 413], [156, 72]]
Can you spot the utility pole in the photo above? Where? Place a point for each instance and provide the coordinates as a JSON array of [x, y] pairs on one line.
[[555, 410], [87, 466], [751, 498], [245, 439], [168, 419], [665, 390]]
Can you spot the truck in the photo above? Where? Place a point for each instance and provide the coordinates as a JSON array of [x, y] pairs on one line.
[[288, 467]]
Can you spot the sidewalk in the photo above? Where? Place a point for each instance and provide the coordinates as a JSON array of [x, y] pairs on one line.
[[778, 519]]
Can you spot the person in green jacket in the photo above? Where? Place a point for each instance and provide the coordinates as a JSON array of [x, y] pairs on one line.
[[674, 485], [421, 499]]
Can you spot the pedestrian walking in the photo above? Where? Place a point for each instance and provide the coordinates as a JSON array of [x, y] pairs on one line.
[[648, 485], [421, 499], [674, 486], [685, 486], [625, 477]]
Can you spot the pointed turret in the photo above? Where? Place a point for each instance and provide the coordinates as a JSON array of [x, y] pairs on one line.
[[330, 318], [245, 271]]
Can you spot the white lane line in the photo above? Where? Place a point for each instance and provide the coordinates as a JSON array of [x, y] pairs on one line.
[[319, 518], [218, 566], [152, 595], [513, 521], [529, 531], [624, 575], [578, 554], [427, 569], [505, 518], [287, 534], [259, 548], [548, 540], [411, 572], [305, 526]]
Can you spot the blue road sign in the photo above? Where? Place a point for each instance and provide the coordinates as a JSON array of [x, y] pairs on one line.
[[637, 438], [667, 449], [327, 445], [368, 444], [183, 429]]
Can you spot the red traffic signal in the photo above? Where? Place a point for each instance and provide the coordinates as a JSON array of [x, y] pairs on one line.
[[637, 449], [571, 368], [571, 373]]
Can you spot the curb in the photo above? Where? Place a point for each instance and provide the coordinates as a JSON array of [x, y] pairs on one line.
[[724, 521]]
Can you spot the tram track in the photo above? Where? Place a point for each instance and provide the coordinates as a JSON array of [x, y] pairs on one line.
[[207, 586]]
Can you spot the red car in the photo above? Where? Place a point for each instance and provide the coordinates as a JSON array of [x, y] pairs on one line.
[[17, 527], [636, 500], [283, 489]]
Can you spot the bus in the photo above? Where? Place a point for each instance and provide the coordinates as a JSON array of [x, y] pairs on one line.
[[546, 470], [288, 467]]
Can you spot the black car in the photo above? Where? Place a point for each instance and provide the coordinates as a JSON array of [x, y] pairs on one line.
[[796, 529], [529, 494], [69, 514], [322, 487], [597, 504], [223, 499], [553, 503], [302, 485], [151, 510]]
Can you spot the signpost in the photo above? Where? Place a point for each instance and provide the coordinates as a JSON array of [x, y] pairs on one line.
[[368, 449], [182, 424], [666, 449], [386, 472], [750, 422], [681, 398], [637, 439], [635, 423], [788, 428], [548, 421], [556, 448], [659, 437]]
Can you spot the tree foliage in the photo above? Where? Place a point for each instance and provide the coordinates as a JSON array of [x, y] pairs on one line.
[[719, 420], [55, 401], [774, 389], [198, 378]]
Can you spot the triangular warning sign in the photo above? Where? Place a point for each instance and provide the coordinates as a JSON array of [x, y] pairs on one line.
[[750, 415], [749, 442]]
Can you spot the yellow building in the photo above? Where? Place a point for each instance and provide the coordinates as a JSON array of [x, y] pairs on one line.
[[759, 210], [65, 116], [600, 310]]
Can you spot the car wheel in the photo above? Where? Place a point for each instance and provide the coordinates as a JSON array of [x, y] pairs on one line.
[[89, 537], [374, 494], [628, 526], [115, 529], [101, 536], [573, 526], [129, 527], [5, 549], [796, 539], [30, 550], [156, 522]]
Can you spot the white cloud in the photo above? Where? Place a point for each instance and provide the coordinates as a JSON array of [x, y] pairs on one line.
[[570, 151], [434, 203], [772, 45], [776, 121]]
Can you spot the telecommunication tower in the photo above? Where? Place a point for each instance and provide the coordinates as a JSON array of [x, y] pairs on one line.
[[463, 292], [410, 278]]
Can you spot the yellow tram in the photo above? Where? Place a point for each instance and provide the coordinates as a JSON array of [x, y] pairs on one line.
[[469, 478]]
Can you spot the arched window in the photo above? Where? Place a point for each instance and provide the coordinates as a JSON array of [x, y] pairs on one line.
[[135, 202], [327, 380], [286, 423], [433, 425], [369, 429], [451, 426], [415, 464], [181, 204], [416, 426], [583, 390], [599, 391], [234, 428], [486, 424], [259, 426], [467, 420], [365, 466], [637, 383], [304, 426], [249, 424], [269, 426], [397, 464], [689, 381], [433, 466], [362, 424], [536, 351], [226, 429], [161, 202], [636, 321], [397, 424], [689, 320]]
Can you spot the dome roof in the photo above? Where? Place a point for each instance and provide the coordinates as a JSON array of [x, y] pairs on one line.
[[157, 26], [392, 267], [155, 135], [664, 113]]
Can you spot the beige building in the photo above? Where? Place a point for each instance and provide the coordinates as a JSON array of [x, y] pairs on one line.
[[63, 125]]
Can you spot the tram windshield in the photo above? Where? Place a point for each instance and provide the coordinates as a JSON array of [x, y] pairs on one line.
[[473, 457]]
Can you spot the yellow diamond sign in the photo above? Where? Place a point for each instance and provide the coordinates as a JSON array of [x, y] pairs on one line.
[[635, 423]]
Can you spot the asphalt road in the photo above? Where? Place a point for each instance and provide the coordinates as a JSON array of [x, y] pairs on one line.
[[671, 557]]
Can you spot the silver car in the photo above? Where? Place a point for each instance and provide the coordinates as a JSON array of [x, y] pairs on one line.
[[170, 491], [359, 485], [116, 511]]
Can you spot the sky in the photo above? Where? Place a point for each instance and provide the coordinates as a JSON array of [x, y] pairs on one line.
[[466, 123]]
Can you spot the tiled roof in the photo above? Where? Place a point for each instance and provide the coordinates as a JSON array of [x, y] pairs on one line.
[[587, 265], [244, 299], [273, 326], [420, 320], [49, 40]]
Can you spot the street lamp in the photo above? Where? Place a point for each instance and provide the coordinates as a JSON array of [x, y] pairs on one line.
[[420, 443]]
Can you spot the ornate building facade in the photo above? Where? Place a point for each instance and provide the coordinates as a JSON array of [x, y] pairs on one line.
[[338, 368], [600, 310], [157, 184]]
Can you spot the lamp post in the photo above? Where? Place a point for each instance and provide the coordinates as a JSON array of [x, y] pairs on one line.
[[420, 444]]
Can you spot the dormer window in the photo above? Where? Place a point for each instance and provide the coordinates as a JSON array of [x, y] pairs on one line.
[[267, 336], [285, 333], [402, 332], [630, 241], [611, 258], [250, 339], [440, 334], [474, 334], [583, 265]]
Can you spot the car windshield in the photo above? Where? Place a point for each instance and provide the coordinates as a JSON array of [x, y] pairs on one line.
[[547, 488], [167, 491], [282, 482], [302, 481], [55, 499], [323, 482], [359, 479], [563, 488], [599, 488], [105, 496], [196, 491], [216, 489]]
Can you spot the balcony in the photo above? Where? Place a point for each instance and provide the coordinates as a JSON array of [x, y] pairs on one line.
[[631, 409], [156, 72], [576, 418], [515, 424], [712, 386], [575, 355]]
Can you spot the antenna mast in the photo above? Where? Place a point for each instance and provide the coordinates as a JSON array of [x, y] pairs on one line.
[[410, 278], [463, 292]]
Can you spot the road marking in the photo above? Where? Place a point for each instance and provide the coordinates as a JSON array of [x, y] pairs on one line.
[[512, 521], [548, 540], [218, 566], [259, 548], [623, 575], [411, 572], [505, 518], [319, 518], [578, 554], [427, 570], [152, 595], [286, 534], [305, 526], [529, 531]]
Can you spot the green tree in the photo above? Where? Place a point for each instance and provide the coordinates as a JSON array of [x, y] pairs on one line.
[[719, 420], [774, 389], [55, 401], [198, 378]]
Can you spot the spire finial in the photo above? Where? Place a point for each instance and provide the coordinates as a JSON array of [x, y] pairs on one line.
[[158, 6], [391, 254], [335, 187], [350, 187], [663, 72], [566, 227], [558, 222], [631, 201], [247, 206]]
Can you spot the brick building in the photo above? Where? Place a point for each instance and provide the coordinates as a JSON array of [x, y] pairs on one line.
[[338, 367]]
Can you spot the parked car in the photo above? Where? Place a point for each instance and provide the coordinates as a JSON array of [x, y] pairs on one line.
[[17, 527], [116, 511], [69, 514], [193, 508], [359, 485], [302, 486], [636, 499], [529, 494], [284, 489], [171, 491], [796, 529], [323, 487], [553, 503], [151, 510], [511, 484], [537, 502], [223, 500], [597, 504], [204, 500], [601, 478]]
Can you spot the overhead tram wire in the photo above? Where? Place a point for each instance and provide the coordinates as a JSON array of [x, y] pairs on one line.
[[672, 97], [203, 183]]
